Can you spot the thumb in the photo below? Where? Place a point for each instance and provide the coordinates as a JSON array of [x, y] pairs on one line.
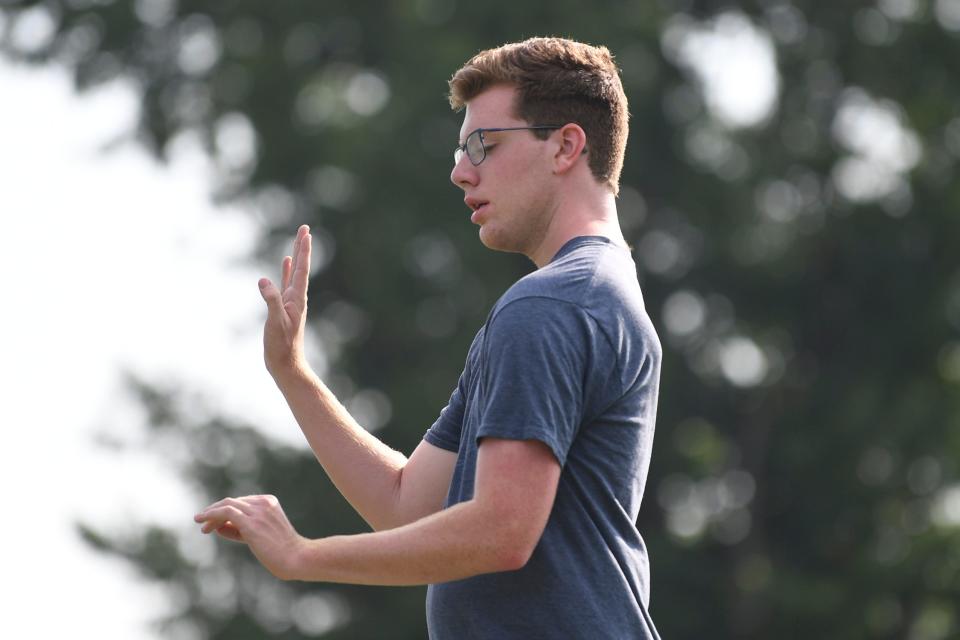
[[271, 295], [230, 532]]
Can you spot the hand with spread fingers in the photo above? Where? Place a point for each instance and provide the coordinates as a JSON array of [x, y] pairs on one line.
[[260, 523], [287, 309]]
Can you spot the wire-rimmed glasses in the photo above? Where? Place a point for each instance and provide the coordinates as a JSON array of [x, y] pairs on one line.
[[476, 149]]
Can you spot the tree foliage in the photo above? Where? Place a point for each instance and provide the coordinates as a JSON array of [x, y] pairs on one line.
[[802, 268]]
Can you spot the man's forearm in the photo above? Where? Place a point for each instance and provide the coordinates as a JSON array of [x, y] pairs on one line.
[[462, 541], [496, 530], [365, 470]]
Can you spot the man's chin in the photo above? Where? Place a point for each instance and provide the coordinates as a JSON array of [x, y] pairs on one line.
[[491, 239], [497, 242]]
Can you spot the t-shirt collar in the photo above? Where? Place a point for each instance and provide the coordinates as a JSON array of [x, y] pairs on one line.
[[580, 241]]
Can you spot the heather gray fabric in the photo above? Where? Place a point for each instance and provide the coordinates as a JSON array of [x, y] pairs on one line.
[[568, 356]]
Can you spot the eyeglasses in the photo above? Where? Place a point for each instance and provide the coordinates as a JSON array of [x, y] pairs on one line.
[[475, 146]]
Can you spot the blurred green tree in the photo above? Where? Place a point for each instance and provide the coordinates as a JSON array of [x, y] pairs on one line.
[[791, 191]]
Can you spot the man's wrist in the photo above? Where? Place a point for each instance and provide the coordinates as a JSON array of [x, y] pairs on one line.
[[298, 557], [291, 373]]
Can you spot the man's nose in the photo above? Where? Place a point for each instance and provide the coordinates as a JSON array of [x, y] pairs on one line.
[[464, 174]]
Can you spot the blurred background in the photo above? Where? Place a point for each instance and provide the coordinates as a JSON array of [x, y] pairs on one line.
[[791, 194]]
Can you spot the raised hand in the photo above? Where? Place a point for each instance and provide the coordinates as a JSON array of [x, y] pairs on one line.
[[287, 310]]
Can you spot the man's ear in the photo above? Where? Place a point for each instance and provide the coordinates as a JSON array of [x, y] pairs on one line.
[[573, 144]]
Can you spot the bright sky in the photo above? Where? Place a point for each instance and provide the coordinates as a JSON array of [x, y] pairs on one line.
[[110, 260]]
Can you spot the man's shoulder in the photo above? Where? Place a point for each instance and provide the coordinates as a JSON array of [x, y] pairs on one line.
[[538, 298], [565, 279], [594, 276]]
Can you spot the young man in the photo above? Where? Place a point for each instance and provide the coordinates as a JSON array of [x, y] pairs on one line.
[[519, 505]]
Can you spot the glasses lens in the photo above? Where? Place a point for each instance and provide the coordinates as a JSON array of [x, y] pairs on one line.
[[475, 149]]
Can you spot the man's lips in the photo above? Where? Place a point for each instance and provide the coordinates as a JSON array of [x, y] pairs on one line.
[[475, 216], [478, 206]]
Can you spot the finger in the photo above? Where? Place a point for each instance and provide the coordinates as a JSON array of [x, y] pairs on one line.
[[213, 505], [287, 269], [271, 296], [217, 517], [301, 271], [242, 505], [302, 232], [296, 244]]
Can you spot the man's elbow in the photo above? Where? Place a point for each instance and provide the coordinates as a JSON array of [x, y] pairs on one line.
[[514, 558], [515, 550]]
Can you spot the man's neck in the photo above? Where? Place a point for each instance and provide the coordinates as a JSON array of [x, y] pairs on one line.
[[596, 219]]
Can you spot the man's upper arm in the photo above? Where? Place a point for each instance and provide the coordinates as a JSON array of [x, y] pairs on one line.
[[517, 480], [424, 482]]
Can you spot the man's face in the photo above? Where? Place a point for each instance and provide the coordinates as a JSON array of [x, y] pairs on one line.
[[510, 192]]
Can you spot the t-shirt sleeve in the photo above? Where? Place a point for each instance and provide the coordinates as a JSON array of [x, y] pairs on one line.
[[445, 432], [535, 356]]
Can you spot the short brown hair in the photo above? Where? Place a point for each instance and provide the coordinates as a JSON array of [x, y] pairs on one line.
[[557, 81]]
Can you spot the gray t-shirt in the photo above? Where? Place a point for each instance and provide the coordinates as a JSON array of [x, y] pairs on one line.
[[569, 357]]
